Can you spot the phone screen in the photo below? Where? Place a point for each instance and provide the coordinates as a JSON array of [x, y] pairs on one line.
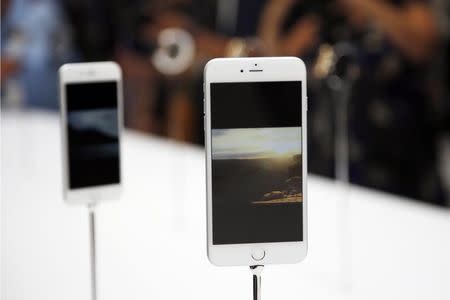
[[92, 134], [256, 143]]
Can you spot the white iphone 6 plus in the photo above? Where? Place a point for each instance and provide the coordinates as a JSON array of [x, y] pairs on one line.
[[91, 122], [255, 137]]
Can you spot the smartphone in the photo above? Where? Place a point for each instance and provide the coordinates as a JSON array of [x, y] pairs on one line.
[[91, 123], [255, 141]]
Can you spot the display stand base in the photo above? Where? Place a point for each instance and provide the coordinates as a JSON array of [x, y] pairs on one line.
[[256, 271]]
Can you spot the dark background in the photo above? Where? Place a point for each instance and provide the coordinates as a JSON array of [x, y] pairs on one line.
[[397, 50]]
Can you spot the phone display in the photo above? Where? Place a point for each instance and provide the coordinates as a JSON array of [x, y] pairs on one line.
[[92, 134], [256, 169]]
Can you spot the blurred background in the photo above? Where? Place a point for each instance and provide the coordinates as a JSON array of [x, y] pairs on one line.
[[378, 72]]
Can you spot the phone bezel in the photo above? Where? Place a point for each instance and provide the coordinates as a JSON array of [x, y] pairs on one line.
[[88, 73], [273, 69]]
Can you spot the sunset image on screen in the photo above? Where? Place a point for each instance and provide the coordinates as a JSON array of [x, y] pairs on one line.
[[270, 158]]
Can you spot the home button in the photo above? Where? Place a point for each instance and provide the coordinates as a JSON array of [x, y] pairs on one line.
[[258, 254]]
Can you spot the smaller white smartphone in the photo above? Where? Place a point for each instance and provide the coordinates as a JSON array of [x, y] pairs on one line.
[[255, 140], [91, 125]]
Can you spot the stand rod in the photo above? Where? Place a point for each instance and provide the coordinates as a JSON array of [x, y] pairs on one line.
[[256, 271], [92, 252]]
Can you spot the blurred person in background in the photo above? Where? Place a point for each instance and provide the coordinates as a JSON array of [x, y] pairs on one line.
[[440, 90], [157, 98], [165, 81], [392, 114], [35, 41]]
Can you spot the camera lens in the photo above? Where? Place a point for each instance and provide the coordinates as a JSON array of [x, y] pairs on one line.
[[242, 71]]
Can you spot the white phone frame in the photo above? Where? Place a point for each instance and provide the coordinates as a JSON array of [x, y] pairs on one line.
[[273, 69], [89, 73]]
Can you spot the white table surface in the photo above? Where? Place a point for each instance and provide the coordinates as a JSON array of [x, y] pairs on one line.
[[151, 243]]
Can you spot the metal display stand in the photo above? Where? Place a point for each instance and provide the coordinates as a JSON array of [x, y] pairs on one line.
[[341, 81], [91, 208], [342, 96], [256, 271]]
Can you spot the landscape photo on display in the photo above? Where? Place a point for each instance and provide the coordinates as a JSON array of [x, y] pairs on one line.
[[264, 164]]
